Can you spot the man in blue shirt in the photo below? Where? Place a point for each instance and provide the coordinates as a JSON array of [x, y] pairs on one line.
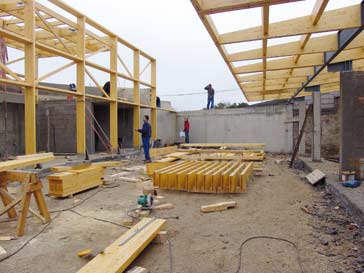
[[146, 132]]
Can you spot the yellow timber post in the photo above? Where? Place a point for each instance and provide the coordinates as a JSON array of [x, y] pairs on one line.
[[136, 92], [81, 98], [153, 98], [30, 70], [113, 94]]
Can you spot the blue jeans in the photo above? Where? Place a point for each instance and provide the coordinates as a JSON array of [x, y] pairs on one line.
[[187, 136], [146, 144], [210, 102]]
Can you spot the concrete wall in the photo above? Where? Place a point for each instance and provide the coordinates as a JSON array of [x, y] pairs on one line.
[[260, 124], [166, 125], [58, 131], [352, 121]]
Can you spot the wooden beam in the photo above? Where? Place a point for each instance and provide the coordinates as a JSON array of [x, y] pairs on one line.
[[308, 60], [25, 162], [81, 90], [30, 75], [315, 45], [216, 6], [344, 18], [121, 253], [114, 94], [136, 99]]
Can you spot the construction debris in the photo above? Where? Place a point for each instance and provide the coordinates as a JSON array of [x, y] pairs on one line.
[[162, 151], [218, 206], [2, 251], [164, 206], [7, 238], [121, 253], [137, 269], [315, 177], [161, 238]]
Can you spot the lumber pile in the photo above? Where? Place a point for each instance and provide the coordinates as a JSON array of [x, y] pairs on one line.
[[205, 176], [162, 151], [72, 180], [122, 252], [222, 145]]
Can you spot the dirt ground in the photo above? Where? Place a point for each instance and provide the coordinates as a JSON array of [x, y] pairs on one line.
[[201, 243]]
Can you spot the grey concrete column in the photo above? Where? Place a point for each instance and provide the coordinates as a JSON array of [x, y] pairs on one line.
[[316, 128], [351, 121], [302, 115]]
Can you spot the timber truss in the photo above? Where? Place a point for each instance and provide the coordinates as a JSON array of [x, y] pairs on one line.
[[42, 32], [311, 63]]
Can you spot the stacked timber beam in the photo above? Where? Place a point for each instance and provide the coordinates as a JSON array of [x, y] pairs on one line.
[[205, 176], [72, 180]]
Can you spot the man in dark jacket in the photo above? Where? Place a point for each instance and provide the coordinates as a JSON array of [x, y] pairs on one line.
[[146, 132], [210, 96]]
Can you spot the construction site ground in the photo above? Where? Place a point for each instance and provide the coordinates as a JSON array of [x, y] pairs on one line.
[[280, 203]]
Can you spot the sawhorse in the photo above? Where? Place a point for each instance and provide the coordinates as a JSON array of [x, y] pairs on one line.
[[31, 185]]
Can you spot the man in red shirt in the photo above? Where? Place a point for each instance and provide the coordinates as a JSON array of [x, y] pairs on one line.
[[186, 129]]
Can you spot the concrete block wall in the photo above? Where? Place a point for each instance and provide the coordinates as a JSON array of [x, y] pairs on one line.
[[260, 124], [166, 125], [15, 129], [61, 129]]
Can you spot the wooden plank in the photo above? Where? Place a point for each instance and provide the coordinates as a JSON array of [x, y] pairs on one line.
[[162, 151], [121, 253], [20, 163], [315, 176], [244, 176], [234, 178], [218, 206]]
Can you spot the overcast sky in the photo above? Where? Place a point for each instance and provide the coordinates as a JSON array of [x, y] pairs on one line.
[[172, 32]]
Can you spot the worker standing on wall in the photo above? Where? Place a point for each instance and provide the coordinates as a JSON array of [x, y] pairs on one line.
[[210, 96], [186, 129], [146, 132]]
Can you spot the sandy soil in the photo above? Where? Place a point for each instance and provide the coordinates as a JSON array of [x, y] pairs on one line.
[[201, 243]]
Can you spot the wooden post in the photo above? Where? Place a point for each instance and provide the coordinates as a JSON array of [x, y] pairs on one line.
[[136, 93], [30, 74], [113, 94], [316, 128], [81, 100], [153, 98]]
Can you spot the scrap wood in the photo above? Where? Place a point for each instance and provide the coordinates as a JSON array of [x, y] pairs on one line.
[[2, 251], [162, 151], [315, 177], [106, 164], [164, 206], [219, 206], [138, 269], [7, 238], [161, 238], [122, 252]]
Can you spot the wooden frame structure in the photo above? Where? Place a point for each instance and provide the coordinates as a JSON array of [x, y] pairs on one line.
[[289, 69], [42, 32]]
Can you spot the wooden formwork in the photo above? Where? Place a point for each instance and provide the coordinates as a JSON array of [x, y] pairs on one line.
[[205, 176]]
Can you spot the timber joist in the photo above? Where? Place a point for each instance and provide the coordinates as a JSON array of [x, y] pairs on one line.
[[285, 70], [205, 176], [57, 30]]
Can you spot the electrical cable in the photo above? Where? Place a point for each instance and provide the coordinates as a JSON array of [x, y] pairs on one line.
[[198, 93], [29, 240], [268, 238], [170, 255]]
